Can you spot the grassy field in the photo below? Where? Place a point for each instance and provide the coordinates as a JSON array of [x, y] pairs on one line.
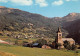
[[6, 54], [7, 50], [25, 51]]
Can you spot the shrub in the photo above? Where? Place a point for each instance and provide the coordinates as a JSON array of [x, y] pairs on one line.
[[41, 42], [68, 46], [59, 45], [74, 47]]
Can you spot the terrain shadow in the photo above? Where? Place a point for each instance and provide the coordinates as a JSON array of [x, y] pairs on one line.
[[73, 29]]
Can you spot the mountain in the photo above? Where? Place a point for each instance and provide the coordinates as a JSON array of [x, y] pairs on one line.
[[17, 20], [72, 26], [11, 16], [36, 25]]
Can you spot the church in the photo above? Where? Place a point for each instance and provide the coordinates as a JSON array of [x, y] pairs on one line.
[[61, 40]]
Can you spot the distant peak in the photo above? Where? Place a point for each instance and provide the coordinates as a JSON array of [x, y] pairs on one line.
[[72, 14], [2, 7], [57, 17], [11, 8]]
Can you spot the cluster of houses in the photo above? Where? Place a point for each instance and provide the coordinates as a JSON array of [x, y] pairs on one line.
[[36, 45], [58, 39]]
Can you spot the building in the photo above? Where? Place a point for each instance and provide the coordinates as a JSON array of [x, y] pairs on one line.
[[3, 42], [26, 44], [60, 40], [46, 47]]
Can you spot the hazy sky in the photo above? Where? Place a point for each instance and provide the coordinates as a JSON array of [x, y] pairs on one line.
[[48, 8]]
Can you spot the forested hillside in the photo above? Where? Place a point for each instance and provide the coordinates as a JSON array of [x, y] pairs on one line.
[[35, 25]]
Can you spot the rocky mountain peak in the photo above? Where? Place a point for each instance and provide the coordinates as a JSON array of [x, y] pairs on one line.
[[72, 14]]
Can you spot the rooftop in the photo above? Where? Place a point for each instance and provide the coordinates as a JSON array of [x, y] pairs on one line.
[[68, 39]]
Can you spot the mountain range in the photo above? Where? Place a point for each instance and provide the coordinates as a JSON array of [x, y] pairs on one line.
[[17, 20]]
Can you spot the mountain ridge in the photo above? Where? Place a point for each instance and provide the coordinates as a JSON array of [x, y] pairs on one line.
[[17, 20]]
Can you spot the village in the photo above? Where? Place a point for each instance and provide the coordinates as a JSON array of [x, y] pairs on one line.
[[58, 43]]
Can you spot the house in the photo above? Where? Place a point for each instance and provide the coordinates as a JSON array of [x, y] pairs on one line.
[[46, 47], [35, 45], [27, 44], [61, 40], [4, 42]]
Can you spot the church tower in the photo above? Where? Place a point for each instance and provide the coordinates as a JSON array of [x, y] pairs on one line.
[[59, 37]]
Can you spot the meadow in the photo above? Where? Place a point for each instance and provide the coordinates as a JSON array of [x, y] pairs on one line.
[[26, 51]]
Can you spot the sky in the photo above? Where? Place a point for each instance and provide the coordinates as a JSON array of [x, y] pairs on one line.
[[48, 8]]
